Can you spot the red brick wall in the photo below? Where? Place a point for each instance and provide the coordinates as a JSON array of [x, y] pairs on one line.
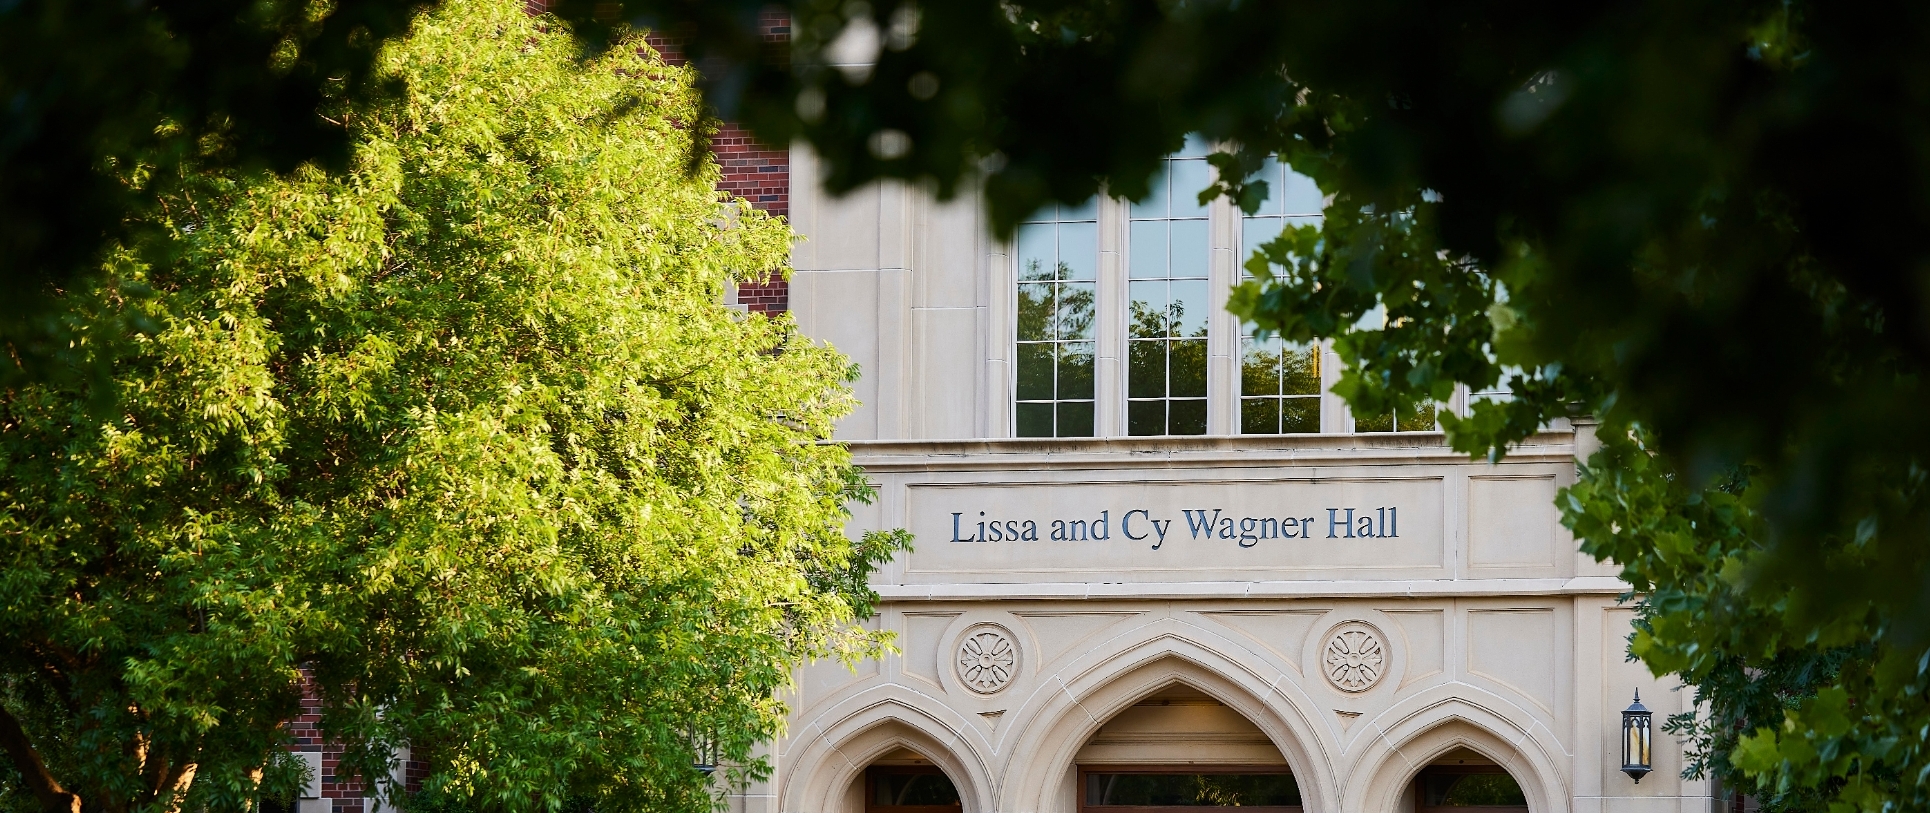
[[753, 171], [343, 796], [759, 174]]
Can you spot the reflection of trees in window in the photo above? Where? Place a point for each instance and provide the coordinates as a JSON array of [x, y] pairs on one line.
[[1057, 263], [1279, 387], [1166, 363], [1279, 382], [1245, 790], [1419, 417], [910, 790], [1491, 789], [1168, 303]]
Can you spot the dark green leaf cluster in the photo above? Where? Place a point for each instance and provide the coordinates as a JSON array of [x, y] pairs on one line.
[[462, 440], [1801, 715], [104, 101]]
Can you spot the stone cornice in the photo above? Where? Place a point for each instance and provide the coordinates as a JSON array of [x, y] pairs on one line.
[[1186, 452], [1197, 591]]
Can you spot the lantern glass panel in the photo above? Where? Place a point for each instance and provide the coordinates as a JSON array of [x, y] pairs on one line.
[[1636, 732]]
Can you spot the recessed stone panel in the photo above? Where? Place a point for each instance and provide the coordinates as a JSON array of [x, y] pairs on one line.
[[1515, 647], [920, 642], [1280, 632], [1193, 530], [1424, 634], [1511, 521], [1059, 633]]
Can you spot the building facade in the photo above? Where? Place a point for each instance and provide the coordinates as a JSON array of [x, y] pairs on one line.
[[1157, 566]]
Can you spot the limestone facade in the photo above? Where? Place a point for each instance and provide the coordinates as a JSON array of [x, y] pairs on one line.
[[1351, 607]]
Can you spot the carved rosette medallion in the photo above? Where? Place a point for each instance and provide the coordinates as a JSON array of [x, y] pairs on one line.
[[1354, 658], [988, 658]]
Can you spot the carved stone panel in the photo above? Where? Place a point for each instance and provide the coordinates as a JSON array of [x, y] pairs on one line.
[[1354, 657], [987, 658]]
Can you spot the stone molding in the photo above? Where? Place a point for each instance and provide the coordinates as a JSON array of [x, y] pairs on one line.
[[1310, 588], [1168, 452]]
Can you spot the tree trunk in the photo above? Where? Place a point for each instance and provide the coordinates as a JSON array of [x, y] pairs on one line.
[[52, 797]]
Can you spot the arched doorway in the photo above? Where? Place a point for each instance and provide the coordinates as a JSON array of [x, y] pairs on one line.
[[1464, 781], [1182, 751], [904, 781]]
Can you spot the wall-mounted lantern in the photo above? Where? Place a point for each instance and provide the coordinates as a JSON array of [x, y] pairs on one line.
[[1636, 729], [703, 749]]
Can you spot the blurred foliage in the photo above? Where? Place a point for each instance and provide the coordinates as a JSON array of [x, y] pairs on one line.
[[105, 100], [1695, 221], [463, 434]]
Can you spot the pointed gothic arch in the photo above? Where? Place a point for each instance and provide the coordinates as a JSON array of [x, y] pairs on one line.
[[829, 756], [1387, 767], [1087, 693]]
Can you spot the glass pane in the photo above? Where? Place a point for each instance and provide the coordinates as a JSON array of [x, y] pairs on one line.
[[1079, 251], [1253, 232], [1035, 312], [1075, 419], [1155, 203], [1189, 179], [1270, 172], [1259, 416], [1035, 372], [1148, 313], [1145, 417], [1075, 370], [1148, 249], [1299, 195], [1187, 368], [1084, 211], [1190, 249], [1419, 419], [1146, 369], [1260, 367], [1300, 416], [1473, 790], [1188, 309], [1036, 252], [1192, 790], [1186, 418], [1195, 145], [1375, 423], [1300, 371], [895, 789], [1075, 310], [1035, 420]]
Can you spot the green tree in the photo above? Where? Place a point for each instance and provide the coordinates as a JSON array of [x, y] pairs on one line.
[[464, 433]]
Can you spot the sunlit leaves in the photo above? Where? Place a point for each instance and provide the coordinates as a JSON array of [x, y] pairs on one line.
[[465, 434]]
